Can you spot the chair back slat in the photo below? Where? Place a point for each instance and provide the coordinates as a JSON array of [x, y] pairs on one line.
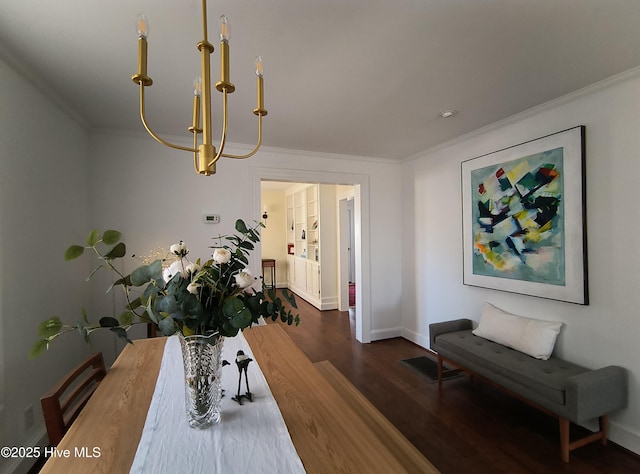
[[61, 406]]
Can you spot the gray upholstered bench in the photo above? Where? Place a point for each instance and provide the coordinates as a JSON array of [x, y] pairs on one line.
[[557, 387]]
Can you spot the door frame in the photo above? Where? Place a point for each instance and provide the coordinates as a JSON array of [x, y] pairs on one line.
[[361, 227]]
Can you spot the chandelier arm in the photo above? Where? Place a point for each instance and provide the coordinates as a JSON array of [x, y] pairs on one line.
[[240, 157], [156, 137], [195, 154], [223, 138]]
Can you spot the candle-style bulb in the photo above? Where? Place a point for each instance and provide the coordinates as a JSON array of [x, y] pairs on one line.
[[142, 26], [197, 93], [259, 110], [224, 28]]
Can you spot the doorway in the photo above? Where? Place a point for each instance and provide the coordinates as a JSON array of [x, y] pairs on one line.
[[361, 212], [346, 255]]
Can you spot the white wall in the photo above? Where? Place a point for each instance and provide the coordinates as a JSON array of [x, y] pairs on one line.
[[153, 196], [603, 333], [43, 209]]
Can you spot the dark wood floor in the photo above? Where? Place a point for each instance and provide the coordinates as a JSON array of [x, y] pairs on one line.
[[464, 427]]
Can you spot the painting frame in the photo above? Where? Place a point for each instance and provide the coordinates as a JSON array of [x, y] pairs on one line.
[[562, 275]]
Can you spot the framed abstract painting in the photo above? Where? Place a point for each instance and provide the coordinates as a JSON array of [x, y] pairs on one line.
[[523, 211]]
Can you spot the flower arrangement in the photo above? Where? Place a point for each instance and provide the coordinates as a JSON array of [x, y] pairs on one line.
[[177, 295]]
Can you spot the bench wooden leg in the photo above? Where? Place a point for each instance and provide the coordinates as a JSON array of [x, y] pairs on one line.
[[439, 370], [567, 446], [564, 439], [604, 429]]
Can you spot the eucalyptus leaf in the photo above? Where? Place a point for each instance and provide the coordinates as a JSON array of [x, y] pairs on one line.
[[93, 237], [108, 322], [127, 318], [167, 304], [122, 334], [50, 327], [167, 326], [140, 276], [149, 309], [155, 270], [177, 315], [191, 306], [247, 245], [38, 348], [119, 251], [232, 306], [241, 226], [253, 236], [238, 314], [73, 252], [242, 319], [111, 237], [228, 330]]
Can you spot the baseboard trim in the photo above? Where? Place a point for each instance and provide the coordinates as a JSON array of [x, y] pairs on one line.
[[415, 337], [379, 334], [624, 437]]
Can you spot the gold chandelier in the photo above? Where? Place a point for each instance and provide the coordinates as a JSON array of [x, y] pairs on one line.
[[205, 155]]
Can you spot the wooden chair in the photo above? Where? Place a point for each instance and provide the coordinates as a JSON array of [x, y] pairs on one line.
[[60, 408], [152, 330]]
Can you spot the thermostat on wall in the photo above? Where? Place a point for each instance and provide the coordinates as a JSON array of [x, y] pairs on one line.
[[211, 218]]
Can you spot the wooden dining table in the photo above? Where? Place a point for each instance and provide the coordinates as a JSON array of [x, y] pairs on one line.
[[333, 427]]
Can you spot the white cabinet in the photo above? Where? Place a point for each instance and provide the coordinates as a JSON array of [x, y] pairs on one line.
[[290, 268], [312, 239], [313, 279], [300, 273]]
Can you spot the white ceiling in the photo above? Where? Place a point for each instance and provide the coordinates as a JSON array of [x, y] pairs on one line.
[[358, 77]]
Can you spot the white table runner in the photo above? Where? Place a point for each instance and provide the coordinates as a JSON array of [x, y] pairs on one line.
[[251, 438]]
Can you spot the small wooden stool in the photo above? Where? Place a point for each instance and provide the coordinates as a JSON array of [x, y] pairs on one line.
[[271, 264]]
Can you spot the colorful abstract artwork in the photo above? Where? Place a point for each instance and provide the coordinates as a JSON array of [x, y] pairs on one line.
[[518, 219], [523, 218]]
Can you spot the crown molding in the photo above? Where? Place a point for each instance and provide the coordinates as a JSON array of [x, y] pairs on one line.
[[611, 81], [20, 68]]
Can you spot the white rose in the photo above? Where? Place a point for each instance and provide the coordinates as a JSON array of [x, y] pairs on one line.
[[173, 269], [179, 249], [193, 268], [166, 274], [193, 288], [244, 278], [221, 255]]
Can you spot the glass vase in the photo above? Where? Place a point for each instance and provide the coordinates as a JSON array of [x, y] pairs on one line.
[[202, 360]]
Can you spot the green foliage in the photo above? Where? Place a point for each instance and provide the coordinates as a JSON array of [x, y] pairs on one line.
[[111, 237], [119, 251], [50, 327], [93, 238], [38, 348], [73, 252], [218, 296]]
